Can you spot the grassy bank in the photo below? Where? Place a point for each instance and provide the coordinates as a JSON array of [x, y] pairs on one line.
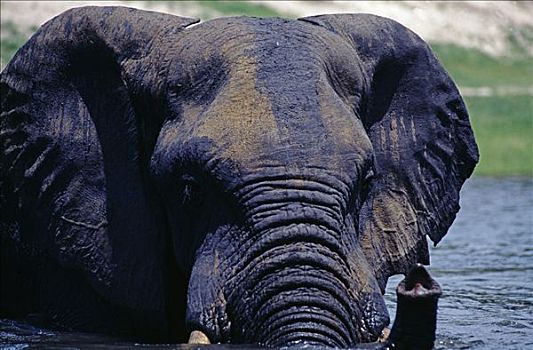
[[11, 39], [472, 68], [503, 126], [238, 8]]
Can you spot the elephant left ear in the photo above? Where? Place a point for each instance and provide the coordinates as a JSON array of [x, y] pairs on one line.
[[423, 143]]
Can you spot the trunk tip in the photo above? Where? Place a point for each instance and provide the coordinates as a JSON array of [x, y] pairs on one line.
[[419, 283]]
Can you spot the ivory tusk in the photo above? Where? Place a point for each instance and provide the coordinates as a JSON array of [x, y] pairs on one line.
[[198, 337], [384, 337]]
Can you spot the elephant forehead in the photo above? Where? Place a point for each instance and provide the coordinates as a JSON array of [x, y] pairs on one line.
[[276, 100], [240, 121], [279, 47]]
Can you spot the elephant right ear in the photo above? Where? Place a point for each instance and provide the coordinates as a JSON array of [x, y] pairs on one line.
[[423, 144], [76, 133]]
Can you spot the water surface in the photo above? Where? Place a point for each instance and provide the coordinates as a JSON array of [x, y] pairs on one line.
[[484, 264]]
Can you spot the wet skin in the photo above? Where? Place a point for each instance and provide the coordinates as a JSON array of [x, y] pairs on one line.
[[256, 180]]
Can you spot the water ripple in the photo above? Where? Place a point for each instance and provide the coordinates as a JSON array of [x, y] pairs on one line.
[[485, 266]]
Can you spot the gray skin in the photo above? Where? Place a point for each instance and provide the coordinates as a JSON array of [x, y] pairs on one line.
[[257, 180]]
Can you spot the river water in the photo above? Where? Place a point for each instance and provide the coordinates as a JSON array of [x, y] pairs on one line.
[[484, 264]]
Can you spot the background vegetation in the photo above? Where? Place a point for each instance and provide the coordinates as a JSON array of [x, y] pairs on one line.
[[497, 90], [502, 112]]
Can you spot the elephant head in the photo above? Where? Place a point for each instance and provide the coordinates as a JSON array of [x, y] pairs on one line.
[[257, 180]]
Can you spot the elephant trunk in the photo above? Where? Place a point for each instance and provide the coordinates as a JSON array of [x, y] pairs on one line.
[[299, 291], [292, 273], [297, 285], [416, 316]]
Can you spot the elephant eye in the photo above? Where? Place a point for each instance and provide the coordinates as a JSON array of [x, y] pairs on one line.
[[366, 184], [190, 189], [369, 175]]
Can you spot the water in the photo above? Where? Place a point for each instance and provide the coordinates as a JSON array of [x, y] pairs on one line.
[[484, 264]]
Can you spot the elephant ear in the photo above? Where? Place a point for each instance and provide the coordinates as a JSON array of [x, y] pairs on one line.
[[76, 134], [423, 143]]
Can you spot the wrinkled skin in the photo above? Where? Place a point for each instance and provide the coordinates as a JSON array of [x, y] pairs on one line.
[[257, 180]]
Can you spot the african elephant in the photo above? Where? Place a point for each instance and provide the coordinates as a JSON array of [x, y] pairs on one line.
[[257, 180]]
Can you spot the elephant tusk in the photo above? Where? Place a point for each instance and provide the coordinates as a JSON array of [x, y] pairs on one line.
[[198, 337], [384, 337]]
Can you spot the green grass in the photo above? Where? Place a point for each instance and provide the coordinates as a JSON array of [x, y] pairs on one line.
[[207, 10], [503, 125], [239, 8], [472, 68], [503, 128], [11, 40]]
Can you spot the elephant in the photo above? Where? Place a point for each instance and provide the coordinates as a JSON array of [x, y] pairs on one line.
[[247, 180]]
